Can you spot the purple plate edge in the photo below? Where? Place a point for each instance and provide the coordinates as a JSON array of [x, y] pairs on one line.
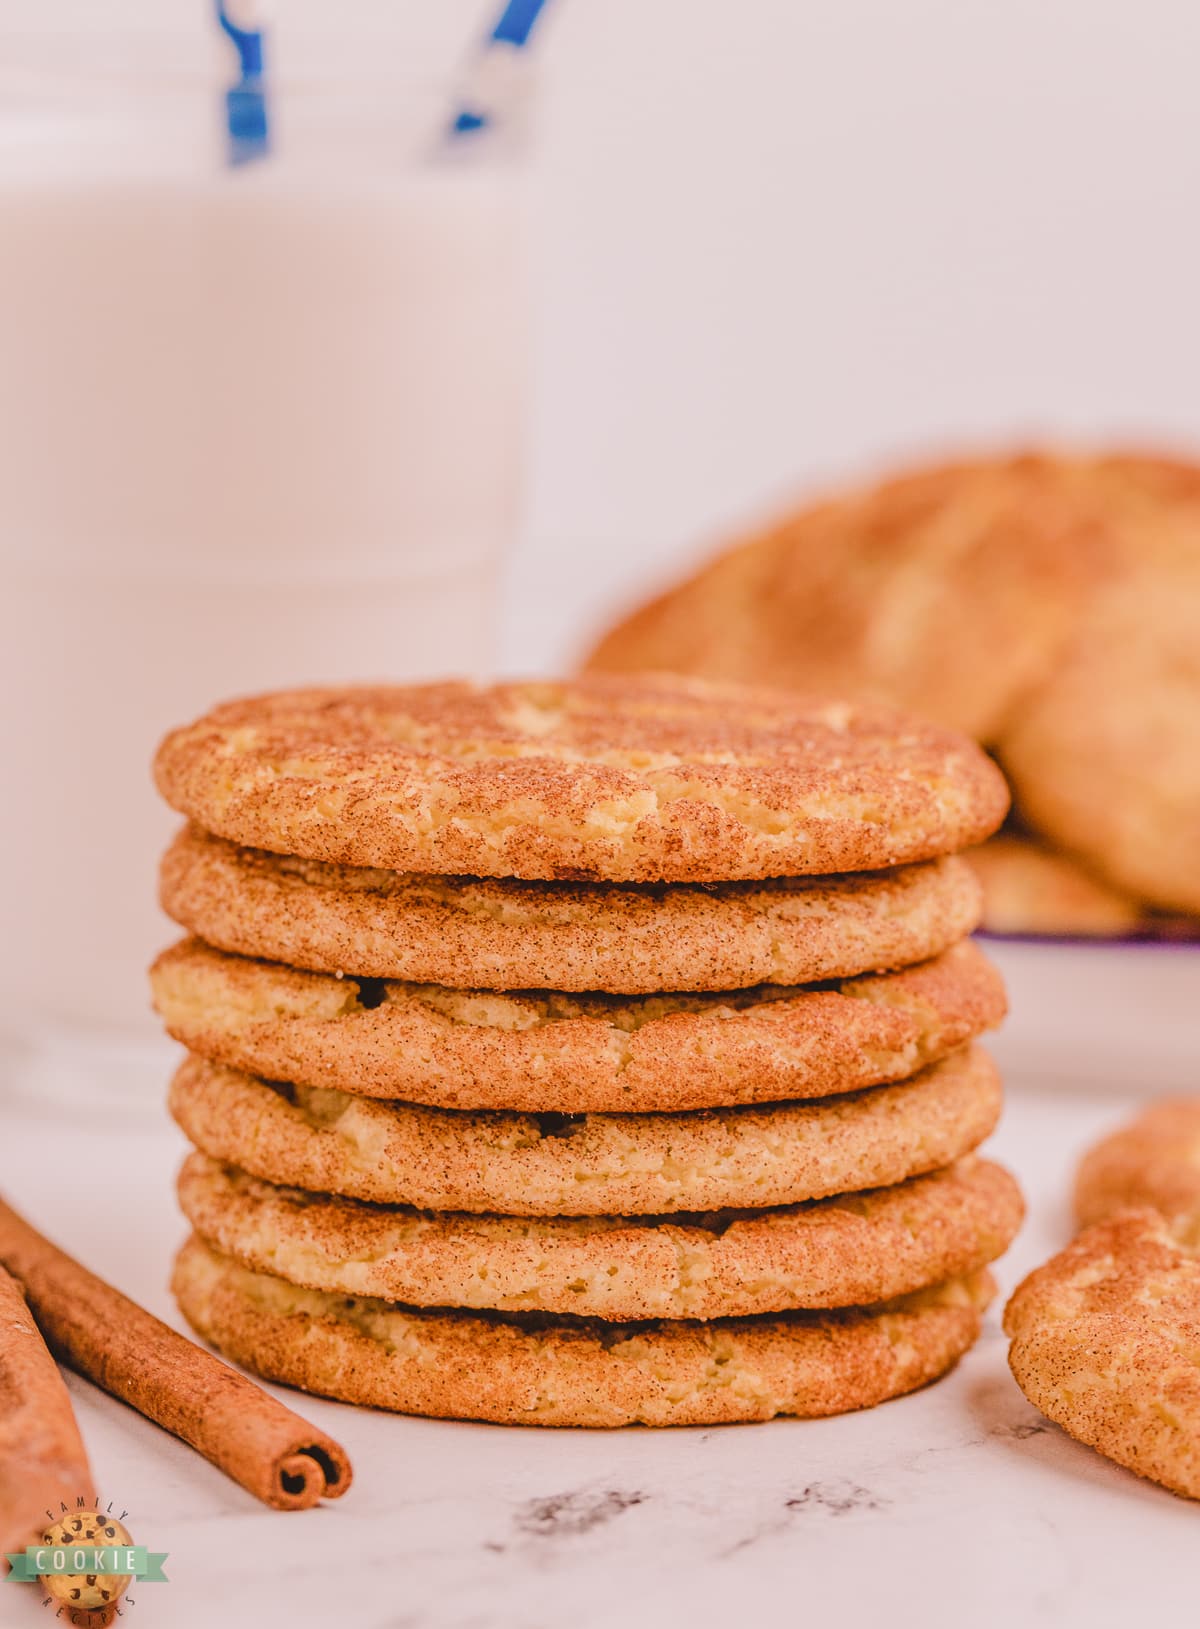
[[1144, 941]]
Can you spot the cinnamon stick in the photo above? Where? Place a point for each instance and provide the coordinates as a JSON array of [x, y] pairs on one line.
[[102, 1334], [43, 1463]]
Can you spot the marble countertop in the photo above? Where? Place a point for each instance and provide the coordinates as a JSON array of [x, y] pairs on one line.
[[957, 1504]]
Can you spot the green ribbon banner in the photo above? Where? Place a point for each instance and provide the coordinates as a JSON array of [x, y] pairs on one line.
[[77, 1560]]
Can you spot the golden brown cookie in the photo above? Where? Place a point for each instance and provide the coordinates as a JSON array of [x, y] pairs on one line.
[[647, 779], [1047, 605], [1106, 756], [1105, 1340], [950, 590], [1106, 753], [1029, 888], [838, 1252], [537, 1050], [1153, 1161], [494, 933], [591, 1164], [546, 1371]]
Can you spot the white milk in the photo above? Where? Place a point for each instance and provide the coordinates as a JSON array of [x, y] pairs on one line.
[[256, 429]]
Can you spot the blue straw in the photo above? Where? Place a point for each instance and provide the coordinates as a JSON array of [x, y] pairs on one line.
[[511, 32], [246, 99]]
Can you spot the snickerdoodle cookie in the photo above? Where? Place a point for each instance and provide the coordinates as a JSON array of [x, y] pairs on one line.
[[1105, 1339], [1153, 1161], [604, 779], [588, 1164], [498, 933], [1046, 604], [541, 1050], [1106, 757], [1030, 888], [950, 590], [539, 1370], [838, 1252]]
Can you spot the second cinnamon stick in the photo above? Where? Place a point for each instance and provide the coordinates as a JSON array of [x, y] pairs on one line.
[[43, 1463]]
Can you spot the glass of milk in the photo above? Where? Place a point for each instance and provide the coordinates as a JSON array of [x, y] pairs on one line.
[[260, 425]]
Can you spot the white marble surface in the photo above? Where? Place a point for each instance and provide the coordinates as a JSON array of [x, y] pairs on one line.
[[957, 1504]]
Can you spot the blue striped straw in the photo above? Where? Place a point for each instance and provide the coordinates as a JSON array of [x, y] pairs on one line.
[[246, 117], [481, 106]]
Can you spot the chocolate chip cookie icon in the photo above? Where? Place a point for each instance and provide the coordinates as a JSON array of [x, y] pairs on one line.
[[87, 1592]]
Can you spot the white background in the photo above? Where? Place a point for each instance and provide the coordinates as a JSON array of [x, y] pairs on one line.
[[781, 242], [786, 240]]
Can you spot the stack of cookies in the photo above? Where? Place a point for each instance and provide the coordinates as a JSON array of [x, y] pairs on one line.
[[582, 1054]]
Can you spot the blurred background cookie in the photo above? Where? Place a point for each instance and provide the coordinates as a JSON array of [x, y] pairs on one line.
[[1030, 888], [1152, 1161], [1047, 605], [1105, 757], [950, 590]]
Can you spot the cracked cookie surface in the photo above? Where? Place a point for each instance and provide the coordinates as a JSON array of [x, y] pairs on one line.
[[647, 778], [1153, 1161], [839, 1252], [590, 1164], [540, 1050], [500, 933], [556, 1372], [1105, 1340]]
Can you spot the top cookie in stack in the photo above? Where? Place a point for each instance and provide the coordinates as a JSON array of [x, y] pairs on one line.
[[564, 965], [603, 780]]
